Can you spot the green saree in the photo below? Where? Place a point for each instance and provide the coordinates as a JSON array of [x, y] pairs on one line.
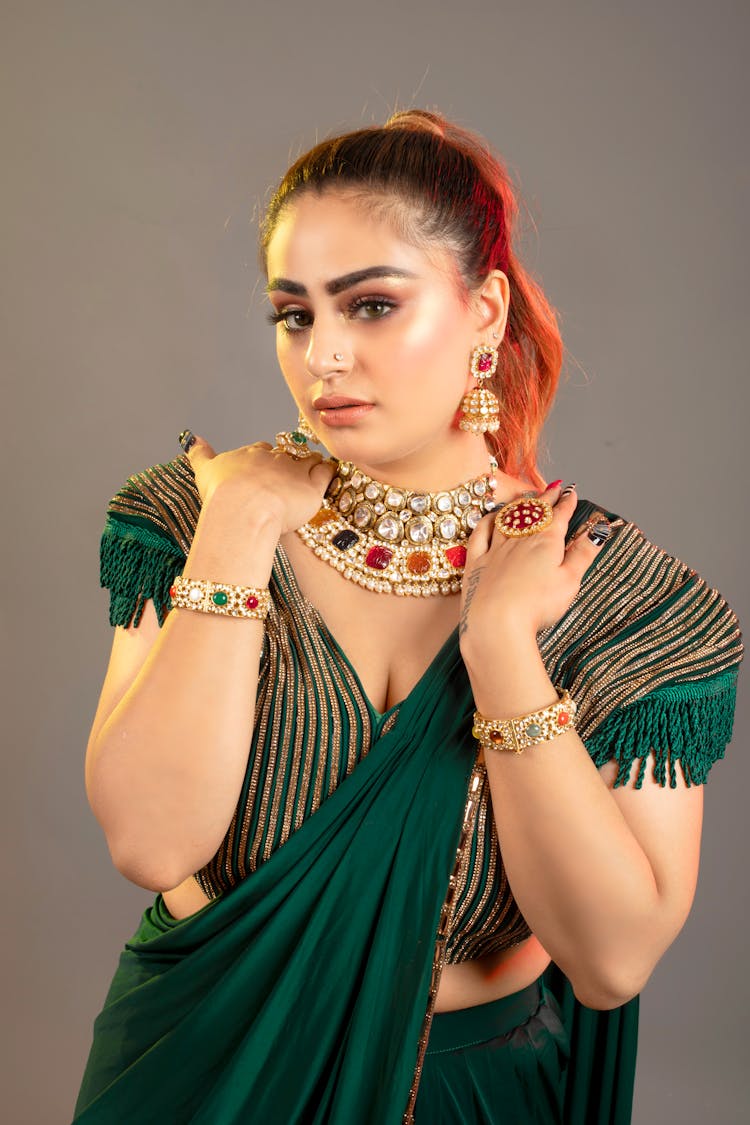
[[304, 993]]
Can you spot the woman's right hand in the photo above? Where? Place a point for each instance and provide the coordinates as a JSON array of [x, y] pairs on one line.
[[259, 476]]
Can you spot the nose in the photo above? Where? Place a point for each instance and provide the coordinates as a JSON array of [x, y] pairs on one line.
[[328, 351]]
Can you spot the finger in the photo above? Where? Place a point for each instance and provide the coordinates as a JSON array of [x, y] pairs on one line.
[[197, 449], [322, 473], [587, 543], [480, 539]]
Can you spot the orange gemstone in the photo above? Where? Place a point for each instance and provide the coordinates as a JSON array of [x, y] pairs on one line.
[[496, 736], [418, 562], [563, 718], [321, 517]]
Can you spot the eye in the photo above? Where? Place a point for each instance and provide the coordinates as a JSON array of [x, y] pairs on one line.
[[292, 320], [371, 308]]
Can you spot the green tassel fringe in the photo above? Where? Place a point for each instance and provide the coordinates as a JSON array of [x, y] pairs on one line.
[[135, 565], [687, 723]]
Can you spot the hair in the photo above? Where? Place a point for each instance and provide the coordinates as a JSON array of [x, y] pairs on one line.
[[441, 185]]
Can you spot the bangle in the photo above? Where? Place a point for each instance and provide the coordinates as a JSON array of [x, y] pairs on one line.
[[220, 597], [527, 730]]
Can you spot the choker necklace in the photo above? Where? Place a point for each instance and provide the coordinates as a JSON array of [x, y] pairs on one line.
[[393, 540]]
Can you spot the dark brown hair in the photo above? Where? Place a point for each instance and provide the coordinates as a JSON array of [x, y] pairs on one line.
[[440, 184]]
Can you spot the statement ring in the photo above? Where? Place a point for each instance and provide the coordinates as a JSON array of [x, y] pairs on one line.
[[519, 518], [293, 443]]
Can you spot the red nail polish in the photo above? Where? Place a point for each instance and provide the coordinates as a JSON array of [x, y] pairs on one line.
[[554, 484]]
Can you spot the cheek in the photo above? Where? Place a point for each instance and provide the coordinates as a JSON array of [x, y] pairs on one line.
[[431, 341]]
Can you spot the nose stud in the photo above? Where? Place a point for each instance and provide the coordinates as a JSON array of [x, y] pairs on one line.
[[338, 356]]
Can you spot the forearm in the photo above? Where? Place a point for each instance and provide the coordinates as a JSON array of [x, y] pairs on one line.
[[579, 875], [165, 769]]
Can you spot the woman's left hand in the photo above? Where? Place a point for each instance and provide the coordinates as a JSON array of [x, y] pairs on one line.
[[521, 586]]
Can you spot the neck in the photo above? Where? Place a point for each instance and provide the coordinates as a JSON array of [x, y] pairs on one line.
[[417, 473]]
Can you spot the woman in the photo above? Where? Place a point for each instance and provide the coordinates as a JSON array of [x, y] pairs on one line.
[[334, 937]]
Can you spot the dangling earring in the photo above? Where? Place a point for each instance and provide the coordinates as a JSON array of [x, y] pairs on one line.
[[480, 407]]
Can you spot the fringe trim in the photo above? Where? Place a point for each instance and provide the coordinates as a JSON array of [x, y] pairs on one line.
[[135, 565], [688, 723]]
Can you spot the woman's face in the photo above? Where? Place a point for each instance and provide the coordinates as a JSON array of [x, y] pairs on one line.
[[343, 283]]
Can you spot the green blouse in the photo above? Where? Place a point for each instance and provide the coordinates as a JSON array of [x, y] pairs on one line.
[[647, 649]]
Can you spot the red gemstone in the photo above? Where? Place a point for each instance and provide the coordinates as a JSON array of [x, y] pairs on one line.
[[172, 591], [563, 718], [456, 556], [251, 602], [485, 362], [378, 557]]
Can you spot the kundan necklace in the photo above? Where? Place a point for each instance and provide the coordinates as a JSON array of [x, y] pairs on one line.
[[393, 540]]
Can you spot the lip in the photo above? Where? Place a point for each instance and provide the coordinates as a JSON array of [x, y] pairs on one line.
[[332, 402], [345, 415]]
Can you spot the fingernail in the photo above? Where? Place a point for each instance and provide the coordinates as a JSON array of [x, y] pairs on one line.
[[568, 489], [187, 440], [554, 484], [600, 532]]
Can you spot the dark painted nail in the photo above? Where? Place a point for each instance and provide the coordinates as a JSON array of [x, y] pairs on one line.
[[568, 489], [600, 532], [187, 440]]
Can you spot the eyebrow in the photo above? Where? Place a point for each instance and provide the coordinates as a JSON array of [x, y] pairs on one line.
[[339, 284]]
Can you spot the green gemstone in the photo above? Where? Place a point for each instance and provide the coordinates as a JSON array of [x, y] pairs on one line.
[[298, 438], [533, 730], [219, 598]]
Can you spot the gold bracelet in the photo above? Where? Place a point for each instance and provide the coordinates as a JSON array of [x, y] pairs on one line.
[[220, 597], [528, 730]]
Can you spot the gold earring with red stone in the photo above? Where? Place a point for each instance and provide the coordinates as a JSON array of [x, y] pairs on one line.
[[480, 407]]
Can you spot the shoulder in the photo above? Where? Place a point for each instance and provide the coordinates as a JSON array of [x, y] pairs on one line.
[[162, 499], [644, 626], [148, 530]]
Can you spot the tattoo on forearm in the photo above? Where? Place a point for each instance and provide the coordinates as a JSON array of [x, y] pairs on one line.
[[471, 589]]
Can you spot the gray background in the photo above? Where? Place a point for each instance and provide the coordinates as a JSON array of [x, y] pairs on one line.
[[139, 140]]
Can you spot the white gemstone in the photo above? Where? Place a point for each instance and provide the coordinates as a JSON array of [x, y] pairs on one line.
[[195, 595], [480, 487], [388, 528], [464, 497], [443, 502], [372, 491], [448, 527], [357, 479], [419, 503], [362, 515], [378, 509], [473, 516], [419, 529], [346, 500], [394, 498]]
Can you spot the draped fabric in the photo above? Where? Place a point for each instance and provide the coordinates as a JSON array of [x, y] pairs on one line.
[[300, 995], [302, 992]]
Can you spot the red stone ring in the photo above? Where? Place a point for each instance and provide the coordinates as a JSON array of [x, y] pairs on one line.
[[523, 517]]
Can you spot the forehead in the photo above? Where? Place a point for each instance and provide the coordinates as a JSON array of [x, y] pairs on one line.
[[332, 234]]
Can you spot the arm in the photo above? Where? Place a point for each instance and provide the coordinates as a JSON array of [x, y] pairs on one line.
[[169, 744], [604, 876]]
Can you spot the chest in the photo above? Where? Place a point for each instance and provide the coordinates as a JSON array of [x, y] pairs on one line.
[[388, 641]]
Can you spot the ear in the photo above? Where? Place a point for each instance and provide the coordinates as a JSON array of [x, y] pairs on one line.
[[491, 303]]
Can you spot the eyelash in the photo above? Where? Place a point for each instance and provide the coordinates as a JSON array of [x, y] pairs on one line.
[[357, 303]]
